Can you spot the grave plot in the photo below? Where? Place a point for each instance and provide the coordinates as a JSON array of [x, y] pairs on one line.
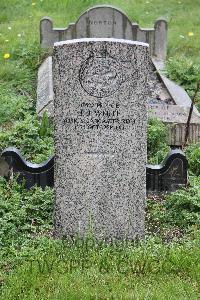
[[164, 96]]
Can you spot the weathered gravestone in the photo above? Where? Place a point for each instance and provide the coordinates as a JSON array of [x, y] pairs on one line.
[[45, 88], [100, 118], [102, 21], [175, 117], [106, 22]]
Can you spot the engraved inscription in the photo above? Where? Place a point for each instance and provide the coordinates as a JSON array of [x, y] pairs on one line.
[[97, 116], [101, 22], [100, 75]]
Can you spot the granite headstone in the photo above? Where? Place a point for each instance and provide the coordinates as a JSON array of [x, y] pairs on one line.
[[100, 88]]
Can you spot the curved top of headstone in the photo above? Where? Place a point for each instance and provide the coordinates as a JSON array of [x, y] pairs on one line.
[[102, 7], [110, 40], [104, 21]]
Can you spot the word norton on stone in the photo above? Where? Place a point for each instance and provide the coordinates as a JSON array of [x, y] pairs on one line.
[[166, 177]]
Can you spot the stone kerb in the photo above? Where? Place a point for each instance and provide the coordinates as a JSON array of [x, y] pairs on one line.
[[100, 137], [161, 178], [175, 117]]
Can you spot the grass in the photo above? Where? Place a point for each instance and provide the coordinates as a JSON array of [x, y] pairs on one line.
[[182, 17], [34, 265], [91, 270]]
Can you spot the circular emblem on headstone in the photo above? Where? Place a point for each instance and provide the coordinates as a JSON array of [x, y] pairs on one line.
[[100, 75]]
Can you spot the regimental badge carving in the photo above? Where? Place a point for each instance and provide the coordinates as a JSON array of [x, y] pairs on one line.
[[100, 76]]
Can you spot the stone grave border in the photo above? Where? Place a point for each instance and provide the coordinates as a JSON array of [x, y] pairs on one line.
[[157, 176]]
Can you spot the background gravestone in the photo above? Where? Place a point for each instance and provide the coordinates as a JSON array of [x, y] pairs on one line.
[[170, 175], [105, 21], [100, 88]]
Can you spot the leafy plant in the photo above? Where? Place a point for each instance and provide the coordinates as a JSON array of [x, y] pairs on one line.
[[13, 107], [23, 214], [183, 206], [185, 72], [26, 136], [45, 128], [157, 147], [179, 210], [193, 156]]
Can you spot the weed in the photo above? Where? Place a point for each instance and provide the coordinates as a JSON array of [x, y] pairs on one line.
[[157, 147], [29, 136], [193, 156]]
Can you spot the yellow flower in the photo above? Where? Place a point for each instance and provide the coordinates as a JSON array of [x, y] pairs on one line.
[[6, 56], [33, 3], [190, 33]]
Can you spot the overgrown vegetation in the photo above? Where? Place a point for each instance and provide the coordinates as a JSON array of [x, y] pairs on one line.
[[193, 156], [31, 136], [33, 264], [186, 73], [157, 147], [179, 211]]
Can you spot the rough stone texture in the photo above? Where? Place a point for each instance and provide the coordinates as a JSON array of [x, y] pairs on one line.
[[177, 93], [106, 21], [45, 88], [164, 102], [158, 93], [160, 39], [4, 167], [100, 88]]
